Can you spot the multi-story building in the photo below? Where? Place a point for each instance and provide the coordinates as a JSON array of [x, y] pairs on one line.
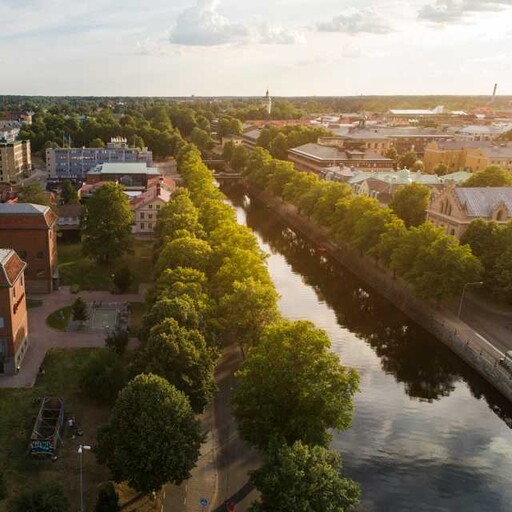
[[13, 312], [15, 160], [76, 162], [30, 229], [147, 205], [132, 175], [317, 157], [452, 153], [480, 158], [456, 207]]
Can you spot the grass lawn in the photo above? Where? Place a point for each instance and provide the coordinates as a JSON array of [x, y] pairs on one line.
[[18, 412], [75, 269], [59, 319], [137, 311]]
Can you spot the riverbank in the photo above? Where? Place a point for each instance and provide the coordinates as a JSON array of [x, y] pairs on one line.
[[438, 320]]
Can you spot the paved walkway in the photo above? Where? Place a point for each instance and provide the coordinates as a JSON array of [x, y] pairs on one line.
[[43, 338]]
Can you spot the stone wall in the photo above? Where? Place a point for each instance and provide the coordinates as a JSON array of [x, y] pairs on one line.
[[438, 320]]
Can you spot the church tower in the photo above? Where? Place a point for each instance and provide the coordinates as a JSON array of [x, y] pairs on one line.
[[268, 103]]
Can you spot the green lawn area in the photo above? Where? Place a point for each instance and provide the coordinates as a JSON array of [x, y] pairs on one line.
[[19, 408], [75, 269], [59, 319]]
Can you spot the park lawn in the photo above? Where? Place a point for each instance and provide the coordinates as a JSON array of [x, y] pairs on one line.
[[19, 409], [89, 275], [59, 319]]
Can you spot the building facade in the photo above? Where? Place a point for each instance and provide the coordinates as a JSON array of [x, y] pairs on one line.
[[481, 158], [456, 207], [132, 175], [76, 162], [30, 229], [15, 160], [13, 312]]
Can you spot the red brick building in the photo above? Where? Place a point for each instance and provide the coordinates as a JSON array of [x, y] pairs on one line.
[[30, 229], [13, 312]]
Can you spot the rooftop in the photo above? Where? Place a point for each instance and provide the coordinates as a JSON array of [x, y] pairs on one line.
[[125, 168], [11, 266], [23, 209], [481, 201], [26, 216], [331, 153]]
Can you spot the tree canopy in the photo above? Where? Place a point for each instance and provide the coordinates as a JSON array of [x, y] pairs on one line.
[[410, 203], [493, 176], [152, 437]]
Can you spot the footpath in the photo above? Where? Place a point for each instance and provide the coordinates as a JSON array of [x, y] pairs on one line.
[[480, 353]]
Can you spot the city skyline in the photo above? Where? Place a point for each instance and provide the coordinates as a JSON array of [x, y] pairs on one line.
[[228, 48]]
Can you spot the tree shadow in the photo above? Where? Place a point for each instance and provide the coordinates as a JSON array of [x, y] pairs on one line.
[[237, 497]]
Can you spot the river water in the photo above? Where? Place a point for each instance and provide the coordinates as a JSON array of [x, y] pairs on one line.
[[429, 434]]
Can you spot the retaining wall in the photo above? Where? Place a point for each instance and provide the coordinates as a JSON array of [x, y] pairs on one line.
[[438, 320]]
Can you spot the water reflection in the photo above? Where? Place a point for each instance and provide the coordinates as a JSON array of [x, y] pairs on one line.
[[422, 439]]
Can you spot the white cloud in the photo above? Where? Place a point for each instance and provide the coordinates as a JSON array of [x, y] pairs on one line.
[[204, 25], [357, 22], [452, 11]]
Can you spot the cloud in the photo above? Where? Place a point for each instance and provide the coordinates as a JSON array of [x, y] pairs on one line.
[[360, 21], [452, 11], [204, 25]]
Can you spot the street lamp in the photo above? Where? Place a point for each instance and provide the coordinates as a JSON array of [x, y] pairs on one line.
[[462, 295], [81, 448]]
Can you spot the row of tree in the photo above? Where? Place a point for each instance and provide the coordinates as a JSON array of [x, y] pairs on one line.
[[436, 265], [292, 389]]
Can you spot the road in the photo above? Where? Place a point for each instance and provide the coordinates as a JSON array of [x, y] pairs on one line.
[[222, 470], [492, 324]]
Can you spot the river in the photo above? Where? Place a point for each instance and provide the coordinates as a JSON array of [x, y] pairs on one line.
[[429, 434]]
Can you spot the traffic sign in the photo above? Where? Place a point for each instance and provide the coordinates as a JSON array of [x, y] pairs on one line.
[[203, 502]]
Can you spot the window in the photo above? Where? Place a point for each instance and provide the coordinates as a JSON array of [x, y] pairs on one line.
[[150, 225], [1, 324], [142, 225], [142, 216], [39, 255], [150, 215], [158, 207], [151, 206]]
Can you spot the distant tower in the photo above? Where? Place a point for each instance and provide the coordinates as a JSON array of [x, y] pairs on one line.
[[494, 93], [268, 103]]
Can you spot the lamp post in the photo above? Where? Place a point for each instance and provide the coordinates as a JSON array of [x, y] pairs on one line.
[[462, 295], [81, 448]]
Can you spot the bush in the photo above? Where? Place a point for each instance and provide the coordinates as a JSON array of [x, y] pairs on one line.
[[75, 288], [3, 486], [123, 279], [108, 500], [103, 376], [45, 497], [117, 341]]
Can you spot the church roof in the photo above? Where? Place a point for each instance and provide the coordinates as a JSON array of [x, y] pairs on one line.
[[481, 201]]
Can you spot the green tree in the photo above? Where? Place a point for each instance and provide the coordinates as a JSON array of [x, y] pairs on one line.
[[117, 340], [392, 153], [410, 203], [79, 310], [123, 279], [201, 139], [227, 150], [369, 228], [279, 147], [106, 226], [293, 388], [69, 193], [44, 497], [108, 500], [180, 356], [3, 486], [500, 276], [152, 437], [186, 251], [103, 376], [493, 176], [407, 160], [239, 158], [138, 142], [246, 311], [97, 143], [303, 478], [441, 170], [34, 193]]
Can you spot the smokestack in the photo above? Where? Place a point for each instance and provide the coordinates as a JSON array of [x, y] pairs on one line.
[[494, 92]]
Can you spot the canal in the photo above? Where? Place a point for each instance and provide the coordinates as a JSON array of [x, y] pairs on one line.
[[429, 434]]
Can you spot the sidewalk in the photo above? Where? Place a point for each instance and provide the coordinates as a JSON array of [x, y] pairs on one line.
[[43, 338]]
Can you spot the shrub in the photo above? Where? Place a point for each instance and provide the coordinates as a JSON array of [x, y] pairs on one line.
[[117, 341], [75, 288]]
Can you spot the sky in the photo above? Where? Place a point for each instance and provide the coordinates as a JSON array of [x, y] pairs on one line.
[[241, 48]]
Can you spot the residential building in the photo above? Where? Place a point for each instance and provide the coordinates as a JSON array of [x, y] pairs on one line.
[[68, 222], [30, 229], [147, 205], [134, 176], [20, 116], [482, 132], [452, 153], [76, 162], [250, 138], [315, 157], [456, 207], [15, 160], [480, 158], [13, 312], [361, 140]]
